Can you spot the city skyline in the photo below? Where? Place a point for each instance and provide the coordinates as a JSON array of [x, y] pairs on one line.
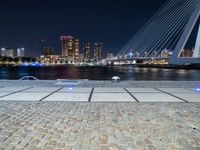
[[26, 23]]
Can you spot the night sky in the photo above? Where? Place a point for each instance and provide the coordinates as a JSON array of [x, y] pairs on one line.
[[25, 22]]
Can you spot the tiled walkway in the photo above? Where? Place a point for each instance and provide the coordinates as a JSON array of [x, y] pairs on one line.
[[100, 118], [99, 94]]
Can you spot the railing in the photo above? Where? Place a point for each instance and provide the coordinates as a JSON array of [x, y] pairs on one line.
[[29, 78]]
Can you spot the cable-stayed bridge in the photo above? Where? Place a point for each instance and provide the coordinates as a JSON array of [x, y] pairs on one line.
[[167, 33]]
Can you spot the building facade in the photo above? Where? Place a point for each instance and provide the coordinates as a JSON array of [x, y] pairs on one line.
[[86, 51], [48, 51], [109, 56], [97, 51], [7, 52], [70, 49], [20, 52], [187, 53], [164, 53], [76, 50]]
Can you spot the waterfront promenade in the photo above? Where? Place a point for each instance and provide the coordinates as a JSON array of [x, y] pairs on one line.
[[155, 115]]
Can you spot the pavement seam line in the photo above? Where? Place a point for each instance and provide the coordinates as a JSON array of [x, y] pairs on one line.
[[50, 94], [131, 95], [90, 97], [16, 92], [172, 95]]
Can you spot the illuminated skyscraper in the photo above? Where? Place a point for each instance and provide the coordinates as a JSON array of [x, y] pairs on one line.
[[76, 49], [20, 52], [70, 49], [97, 51], [7, 52], [86, 51]]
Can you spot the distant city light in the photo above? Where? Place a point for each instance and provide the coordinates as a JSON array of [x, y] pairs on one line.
[[22, 49], [134, 62], [3, 49], [131, 54]]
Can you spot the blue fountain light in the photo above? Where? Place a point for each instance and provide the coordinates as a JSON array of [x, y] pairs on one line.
[[197, 89], [70, 88]]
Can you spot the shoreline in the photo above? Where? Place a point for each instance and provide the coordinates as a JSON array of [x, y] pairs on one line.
[[160, 66]]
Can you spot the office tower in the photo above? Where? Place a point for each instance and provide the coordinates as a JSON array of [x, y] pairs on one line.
[[7, 52], [164, 53], [187, 53], [109, 56], [70, 49], [76, 49], [67, 48], [86, 51], [97, 51], [48, 51], [20, 52]]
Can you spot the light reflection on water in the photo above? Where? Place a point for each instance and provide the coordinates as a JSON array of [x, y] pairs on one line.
[[100, 73]]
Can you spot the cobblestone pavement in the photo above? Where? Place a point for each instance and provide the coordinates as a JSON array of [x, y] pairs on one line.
[[105, 126], [104, 83]]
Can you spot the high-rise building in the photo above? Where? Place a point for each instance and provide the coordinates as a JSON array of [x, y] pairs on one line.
[[86, 51], [7, 52], [109, 56], [164, 53], [70, 49], [97, 51], [48, 51], [20, 52], [76, 48], [187, 53]]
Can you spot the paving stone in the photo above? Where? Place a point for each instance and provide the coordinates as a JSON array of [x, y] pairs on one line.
[[68, 97], [176, 90], [112, 97], [71, 125], [155, 97], [109, 90], [143, 90], [75, 90], [22, 96], [189, 97], [42, 89]]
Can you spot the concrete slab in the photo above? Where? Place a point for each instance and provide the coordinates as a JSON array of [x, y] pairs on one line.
[[22, 96], [75, 90], [42, 89], [143, 90], [155, 97], [12, 89], [83, 97], [109, 90], [175, 90], [195, 90], [111, 97], [189, 96], [4, 93]]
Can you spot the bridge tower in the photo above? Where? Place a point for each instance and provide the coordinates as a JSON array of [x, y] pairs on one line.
[[175, 58]]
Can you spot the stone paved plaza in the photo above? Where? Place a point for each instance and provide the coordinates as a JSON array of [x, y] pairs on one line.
[[67, 125], [129, 116]]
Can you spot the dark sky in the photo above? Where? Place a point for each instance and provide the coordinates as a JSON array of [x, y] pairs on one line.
[[25, 22]]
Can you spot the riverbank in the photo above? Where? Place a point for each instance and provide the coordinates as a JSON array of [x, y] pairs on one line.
[[166, 66], [104, 83]]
